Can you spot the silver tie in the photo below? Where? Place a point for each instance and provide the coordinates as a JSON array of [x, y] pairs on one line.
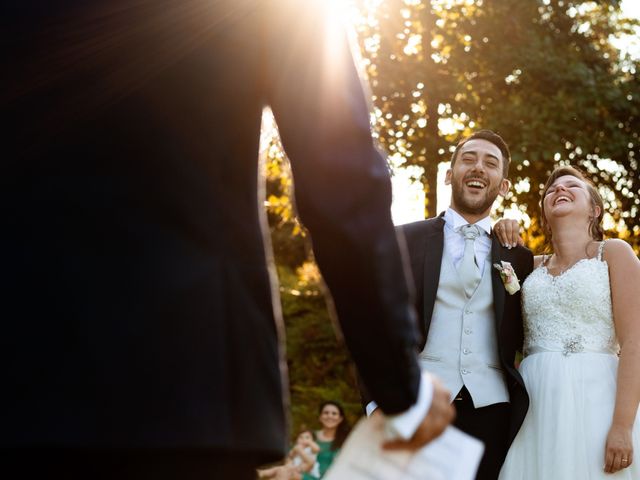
[[468, 269]]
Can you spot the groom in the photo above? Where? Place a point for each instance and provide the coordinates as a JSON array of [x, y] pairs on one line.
[[471, 325]]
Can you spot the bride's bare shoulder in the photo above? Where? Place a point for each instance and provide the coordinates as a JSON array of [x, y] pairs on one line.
[[615, 250]]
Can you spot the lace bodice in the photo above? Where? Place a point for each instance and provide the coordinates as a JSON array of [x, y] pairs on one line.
[[570, 312]]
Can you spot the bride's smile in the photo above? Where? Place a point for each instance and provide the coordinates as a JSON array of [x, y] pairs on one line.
[[567, 195]]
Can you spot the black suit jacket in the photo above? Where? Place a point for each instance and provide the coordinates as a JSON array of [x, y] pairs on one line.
[[425, 243], [137, 304]]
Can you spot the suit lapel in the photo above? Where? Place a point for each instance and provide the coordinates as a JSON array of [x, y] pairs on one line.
[[434, 245], [498, 286]]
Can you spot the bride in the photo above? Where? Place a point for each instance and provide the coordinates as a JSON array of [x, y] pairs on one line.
[[581, 309]]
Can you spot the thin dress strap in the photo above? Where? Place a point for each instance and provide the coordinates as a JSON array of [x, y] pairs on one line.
[[601, 250]]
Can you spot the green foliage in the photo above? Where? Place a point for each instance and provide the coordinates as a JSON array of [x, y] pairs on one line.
[[543, 73], [553, 85], [319, 365], [407, 86]]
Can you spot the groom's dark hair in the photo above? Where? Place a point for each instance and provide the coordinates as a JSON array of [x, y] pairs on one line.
[[491, 137]]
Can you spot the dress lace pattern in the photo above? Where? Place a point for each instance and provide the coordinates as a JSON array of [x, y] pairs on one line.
[[570, 312], [570, 373]]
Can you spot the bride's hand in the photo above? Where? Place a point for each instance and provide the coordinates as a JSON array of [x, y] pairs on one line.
[[508, 232], [618, 452]]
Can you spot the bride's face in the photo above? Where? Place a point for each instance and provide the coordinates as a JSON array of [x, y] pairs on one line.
[[568, 195]]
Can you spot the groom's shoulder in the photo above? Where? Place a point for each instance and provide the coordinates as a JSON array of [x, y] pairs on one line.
[[422, 227], [523, 256], [523, 252]]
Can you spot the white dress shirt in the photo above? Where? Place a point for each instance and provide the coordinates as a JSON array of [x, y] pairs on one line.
[[453, 221]]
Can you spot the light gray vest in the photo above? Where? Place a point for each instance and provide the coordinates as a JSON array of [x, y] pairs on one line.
[[462, 347]]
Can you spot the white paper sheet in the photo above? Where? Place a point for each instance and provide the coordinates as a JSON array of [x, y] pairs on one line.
[[452, 456]]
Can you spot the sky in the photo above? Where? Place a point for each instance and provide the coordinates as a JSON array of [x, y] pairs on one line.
[[631, 8]]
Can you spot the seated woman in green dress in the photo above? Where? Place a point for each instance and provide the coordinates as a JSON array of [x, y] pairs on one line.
[[329, 438]]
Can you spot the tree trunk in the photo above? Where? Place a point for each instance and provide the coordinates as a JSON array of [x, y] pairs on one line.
[[432, 132]]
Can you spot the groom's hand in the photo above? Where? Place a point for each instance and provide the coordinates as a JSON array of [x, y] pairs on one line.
[[439, 416]]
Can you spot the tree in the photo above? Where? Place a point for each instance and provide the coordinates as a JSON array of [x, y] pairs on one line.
[[544, 74], [407, 85]]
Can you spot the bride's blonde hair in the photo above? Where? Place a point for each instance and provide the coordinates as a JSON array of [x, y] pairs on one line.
[[595, 222]]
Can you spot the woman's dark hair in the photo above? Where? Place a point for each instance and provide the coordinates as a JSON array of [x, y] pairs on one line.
[[343, 429], [595, 223]]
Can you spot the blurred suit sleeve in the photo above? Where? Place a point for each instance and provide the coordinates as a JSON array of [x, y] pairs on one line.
[[343, 195]]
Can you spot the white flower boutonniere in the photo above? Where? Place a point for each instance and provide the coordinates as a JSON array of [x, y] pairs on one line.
[[508, 276]]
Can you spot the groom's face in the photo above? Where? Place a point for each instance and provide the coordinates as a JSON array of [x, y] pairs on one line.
[[476, 178]]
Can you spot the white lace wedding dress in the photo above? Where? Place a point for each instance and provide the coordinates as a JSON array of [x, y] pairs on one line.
[[569, 370]]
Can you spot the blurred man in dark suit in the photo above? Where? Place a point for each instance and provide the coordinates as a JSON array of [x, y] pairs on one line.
[[142, 336]]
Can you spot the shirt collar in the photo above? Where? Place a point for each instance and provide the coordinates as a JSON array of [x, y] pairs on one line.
[[455, 221]]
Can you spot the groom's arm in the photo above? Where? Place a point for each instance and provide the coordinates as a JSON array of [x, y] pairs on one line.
[[528, 268], [524, 266]]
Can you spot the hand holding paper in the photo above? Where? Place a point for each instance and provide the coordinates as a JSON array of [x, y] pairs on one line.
[[452, 456], [440, 414]]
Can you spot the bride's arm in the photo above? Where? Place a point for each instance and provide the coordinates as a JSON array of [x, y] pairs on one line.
[[624, 270]]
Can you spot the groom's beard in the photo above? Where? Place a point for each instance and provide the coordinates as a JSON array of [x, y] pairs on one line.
[[474, 206]]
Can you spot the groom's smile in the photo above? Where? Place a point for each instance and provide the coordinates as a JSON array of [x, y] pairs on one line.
[[475, 184]]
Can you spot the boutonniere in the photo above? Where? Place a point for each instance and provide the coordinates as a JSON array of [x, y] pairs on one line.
[[508, 276]]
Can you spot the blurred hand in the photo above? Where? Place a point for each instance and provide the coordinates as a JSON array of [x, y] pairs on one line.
[[281, 472], [440, 415], [618, 452], [376, 413], [508, 232]]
